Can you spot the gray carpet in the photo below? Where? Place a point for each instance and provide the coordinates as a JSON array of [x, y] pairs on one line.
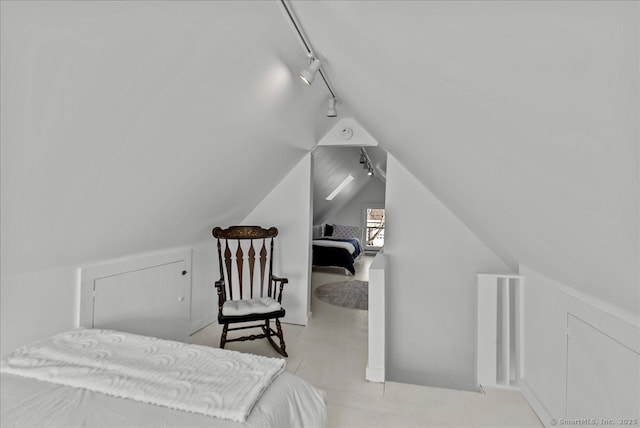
[[348, 294]]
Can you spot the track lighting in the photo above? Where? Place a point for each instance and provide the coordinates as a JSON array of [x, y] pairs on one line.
[[366, 161], [332, 112], [308, 74]]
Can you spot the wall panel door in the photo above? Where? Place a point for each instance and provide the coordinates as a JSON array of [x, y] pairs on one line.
[[152, 301], [602, 376]]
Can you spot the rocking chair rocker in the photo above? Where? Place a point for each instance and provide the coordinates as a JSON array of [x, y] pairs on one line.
[[258, 296]]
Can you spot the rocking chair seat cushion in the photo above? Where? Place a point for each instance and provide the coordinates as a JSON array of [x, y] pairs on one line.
[[259, 305]]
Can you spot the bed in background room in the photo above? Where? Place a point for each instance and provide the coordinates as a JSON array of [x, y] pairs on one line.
[[336, 245], [90, 377]]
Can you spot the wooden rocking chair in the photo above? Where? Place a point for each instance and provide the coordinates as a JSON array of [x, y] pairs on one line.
[[258, 292]]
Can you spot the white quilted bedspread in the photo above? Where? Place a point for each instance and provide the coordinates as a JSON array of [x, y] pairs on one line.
[[199, 379]]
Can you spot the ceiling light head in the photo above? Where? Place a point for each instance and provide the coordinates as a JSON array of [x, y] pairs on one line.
[[332, 112], [370, 173], [308, 74]]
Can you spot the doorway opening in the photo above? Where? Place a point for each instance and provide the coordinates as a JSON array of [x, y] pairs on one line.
[[349, 194]]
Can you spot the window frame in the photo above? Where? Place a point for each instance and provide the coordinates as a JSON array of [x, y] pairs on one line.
[[365, 207]]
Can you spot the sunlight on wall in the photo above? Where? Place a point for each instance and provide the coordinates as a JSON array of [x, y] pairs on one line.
[[273, 84]]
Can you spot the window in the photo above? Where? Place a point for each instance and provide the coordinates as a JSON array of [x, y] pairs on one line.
[[374, 228]]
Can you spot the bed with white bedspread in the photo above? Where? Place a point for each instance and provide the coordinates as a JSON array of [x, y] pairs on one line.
[[89, 377]]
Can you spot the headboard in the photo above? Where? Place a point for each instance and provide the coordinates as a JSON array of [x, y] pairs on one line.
[[337, 231]]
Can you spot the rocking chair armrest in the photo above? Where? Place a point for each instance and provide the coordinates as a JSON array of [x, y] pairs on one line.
[[222, 295], [279, 279], [282, 282]]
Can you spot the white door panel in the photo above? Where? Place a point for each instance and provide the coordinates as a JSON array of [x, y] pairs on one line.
[[602, 377], [153, 301]]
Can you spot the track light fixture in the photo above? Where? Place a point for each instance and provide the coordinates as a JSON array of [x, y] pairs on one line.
[[332, 112], [308, 74], [366, 161]]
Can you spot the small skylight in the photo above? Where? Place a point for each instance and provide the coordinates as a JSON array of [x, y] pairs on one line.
[[340, 187]]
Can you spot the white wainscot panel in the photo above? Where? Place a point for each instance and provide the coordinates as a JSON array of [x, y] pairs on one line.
[[582, 357], [602, 376], [148, 295]]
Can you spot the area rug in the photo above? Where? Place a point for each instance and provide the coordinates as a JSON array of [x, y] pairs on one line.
[[348, 294]]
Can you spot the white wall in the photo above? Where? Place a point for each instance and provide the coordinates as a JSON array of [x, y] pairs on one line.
[[582, 355], [351, 213], [545, 341], [432, 262], [288, 207], [37, 304]]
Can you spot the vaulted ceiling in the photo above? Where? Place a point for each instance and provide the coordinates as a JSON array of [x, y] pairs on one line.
[[331, 165], [128, 126], [521, 117]]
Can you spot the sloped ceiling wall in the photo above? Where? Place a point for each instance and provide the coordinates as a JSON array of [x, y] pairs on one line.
[[521, 117], [331, 165], [129, 126], [133, 126]]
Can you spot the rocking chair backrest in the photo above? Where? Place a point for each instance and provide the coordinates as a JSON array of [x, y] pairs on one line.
[[237, 253]]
